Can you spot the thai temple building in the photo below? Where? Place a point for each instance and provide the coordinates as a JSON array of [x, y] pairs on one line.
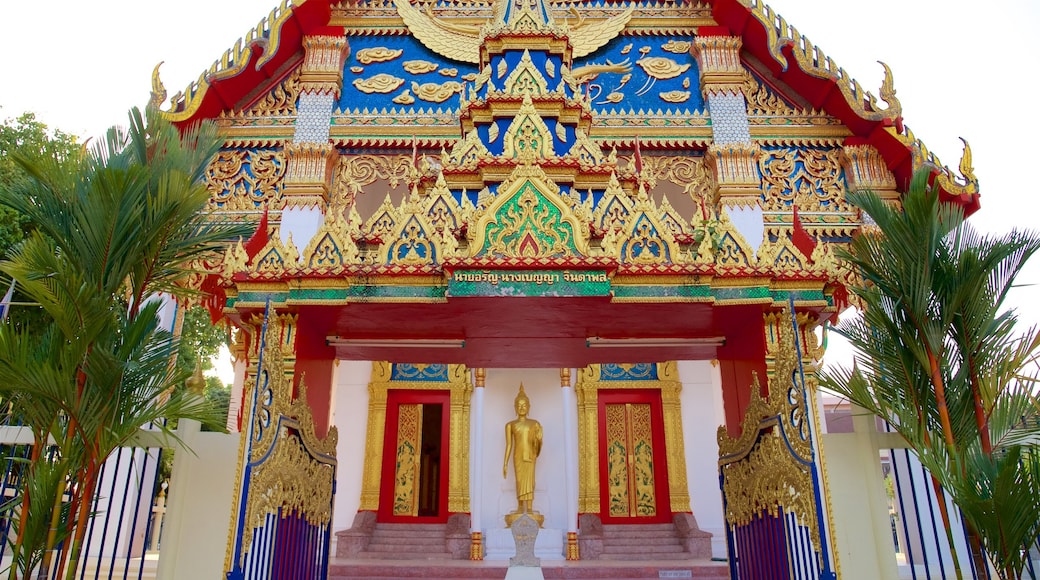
[[563, 260]]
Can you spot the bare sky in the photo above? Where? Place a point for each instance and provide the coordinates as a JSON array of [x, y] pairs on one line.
[[962, 69]]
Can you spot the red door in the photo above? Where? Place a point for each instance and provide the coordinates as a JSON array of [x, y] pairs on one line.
[[633, 472], [414, 484]]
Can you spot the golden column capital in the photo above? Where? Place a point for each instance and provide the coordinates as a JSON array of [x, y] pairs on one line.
[[565, 377], [735, 169], [718, 58], [310, 168], [479, 376], [323, 60], [865, 169]]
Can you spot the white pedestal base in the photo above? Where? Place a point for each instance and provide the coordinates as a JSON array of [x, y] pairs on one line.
[[524, 573], [500, 545]]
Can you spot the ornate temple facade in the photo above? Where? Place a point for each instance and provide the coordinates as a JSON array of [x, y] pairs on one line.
[[632, 209]]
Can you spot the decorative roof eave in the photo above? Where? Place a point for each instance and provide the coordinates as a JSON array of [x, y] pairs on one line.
[[257, 61], [827, 87]]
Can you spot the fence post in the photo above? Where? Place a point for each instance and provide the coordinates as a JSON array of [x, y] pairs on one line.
[[187, 430]]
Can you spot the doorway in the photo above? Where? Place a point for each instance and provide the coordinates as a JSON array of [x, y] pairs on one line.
[[415, 457], [633, 468]]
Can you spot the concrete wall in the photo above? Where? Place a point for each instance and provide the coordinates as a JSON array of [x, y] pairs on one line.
[[350, 416], [863, 538], [198, 515], [701, 401]]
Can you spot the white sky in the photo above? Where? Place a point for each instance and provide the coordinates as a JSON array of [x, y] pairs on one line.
[[962, 68]]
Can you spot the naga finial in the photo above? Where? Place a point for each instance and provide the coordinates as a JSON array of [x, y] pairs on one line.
[[888, 93], [158, 94], [966, 169]]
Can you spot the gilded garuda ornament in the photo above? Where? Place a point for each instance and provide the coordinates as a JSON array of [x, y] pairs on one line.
[[461, 42]]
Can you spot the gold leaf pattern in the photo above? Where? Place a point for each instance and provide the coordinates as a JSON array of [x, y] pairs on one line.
[[378, 54], [381, 83], [405, 98], [675, 96], [436, 93], [676, 46], [418, 67], [662, 68], [550, 69]]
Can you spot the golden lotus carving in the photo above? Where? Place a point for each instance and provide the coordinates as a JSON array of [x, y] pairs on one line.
[[675, 96], [381, 83], [662, 68], [378, 54], [436, 93], [419, 67], [676, 46], [404, 98]]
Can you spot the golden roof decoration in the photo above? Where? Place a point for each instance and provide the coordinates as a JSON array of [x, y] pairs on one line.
[[462, 42]]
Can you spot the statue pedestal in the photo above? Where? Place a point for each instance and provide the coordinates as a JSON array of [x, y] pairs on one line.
[[524, 573], [500, 546], [525, 565]]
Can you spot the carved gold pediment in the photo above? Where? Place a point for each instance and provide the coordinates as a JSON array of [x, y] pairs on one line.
[[529, 218]]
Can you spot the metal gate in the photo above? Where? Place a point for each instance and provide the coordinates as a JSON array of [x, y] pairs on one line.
[[283, 511], [772, 491]]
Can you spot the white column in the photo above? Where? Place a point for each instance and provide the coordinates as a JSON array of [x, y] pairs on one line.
[[570, 459], [476, 465]]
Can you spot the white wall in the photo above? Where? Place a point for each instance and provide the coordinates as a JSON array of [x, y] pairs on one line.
[[350, 416], [543, 388], [701, 401]]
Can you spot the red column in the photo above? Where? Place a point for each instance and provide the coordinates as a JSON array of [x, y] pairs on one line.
[[743, 356], [316, 367]]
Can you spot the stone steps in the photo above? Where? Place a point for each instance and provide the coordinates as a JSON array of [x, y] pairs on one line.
[[353, 570], [406, 542], [636, 542]]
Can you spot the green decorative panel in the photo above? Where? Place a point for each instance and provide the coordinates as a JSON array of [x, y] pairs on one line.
[[520, 283]]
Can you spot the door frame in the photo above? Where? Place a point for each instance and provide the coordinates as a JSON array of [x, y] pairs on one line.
[[394, 400], [651, 397], [590, 382]]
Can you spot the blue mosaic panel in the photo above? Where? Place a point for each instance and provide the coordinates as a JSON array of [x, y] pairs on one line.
[[639, 89], [351, 97], [628, 372], [419, 373]]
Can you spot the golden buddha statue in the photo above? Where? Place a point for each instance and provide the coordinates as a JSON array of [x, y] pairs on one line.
[[524, 442]]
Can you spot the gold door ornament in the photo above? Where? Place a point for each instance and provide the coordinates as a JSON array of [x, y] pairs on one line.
[[406, 474], [630, 460]]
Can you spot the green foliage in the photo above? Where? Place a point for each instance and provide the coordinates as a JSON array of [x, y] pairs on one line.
[[939, 358], [123, 225], [200, 340], [31, 139]]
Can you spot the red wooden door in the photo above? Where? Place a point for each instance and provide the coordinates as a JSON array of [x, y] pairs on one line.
[[633, 469]]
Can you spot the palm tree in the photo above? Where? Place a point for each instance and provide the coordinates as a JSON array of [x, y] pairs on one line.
[[124, 227], [945, 365]]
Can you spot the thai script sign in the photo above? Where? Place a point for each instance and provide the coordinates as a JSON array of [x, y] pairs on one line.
[[466, 283]]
